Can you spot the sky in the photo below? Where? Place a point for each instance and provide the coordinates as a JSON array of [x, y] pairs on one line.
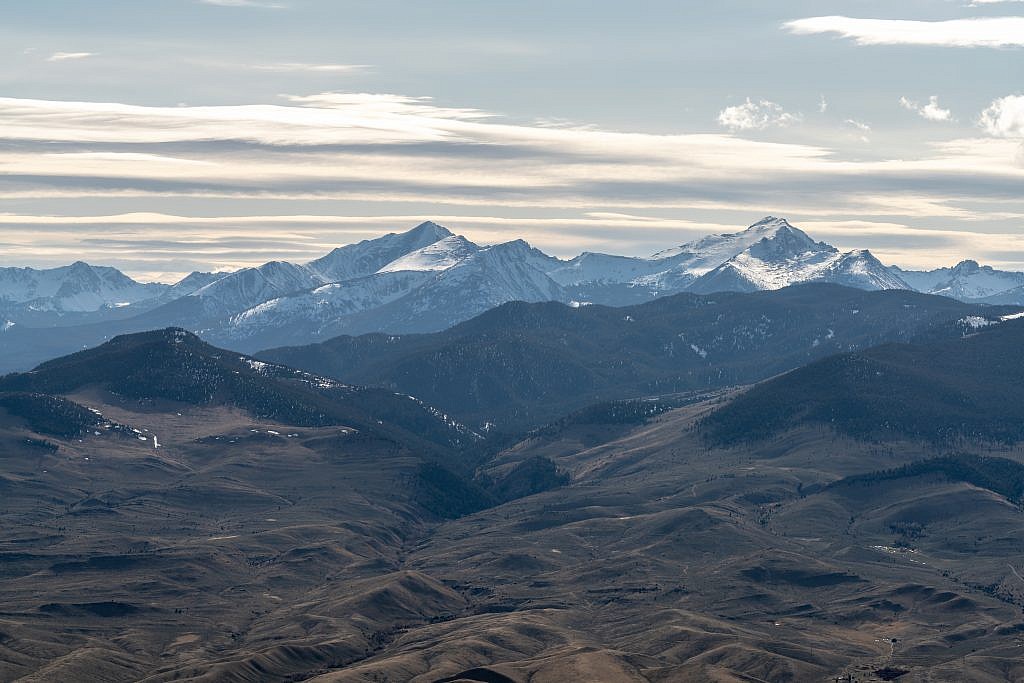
[[165, 136]]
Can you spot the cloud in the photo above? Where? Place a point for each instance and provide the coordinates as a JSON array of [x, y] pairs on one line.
[[67, 56], [314, 68], [244, 3], [1004, 118], [373, 155], [976, 32], [931, 111], [862, 129], [822, 105], [755, 116]]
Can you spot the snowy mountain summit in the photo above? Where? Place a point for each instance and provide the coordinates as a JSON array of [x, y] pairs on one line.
[[780, 255], [75, 288], [428, 278]]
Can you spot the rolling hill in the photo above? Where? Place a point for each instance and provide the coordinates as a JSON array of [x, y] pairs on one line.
[[945, 391], [175, 366]]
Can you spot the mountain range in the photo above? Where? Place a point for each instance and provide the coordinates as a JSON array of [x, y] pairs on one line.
[[515, 365], [428, 279]]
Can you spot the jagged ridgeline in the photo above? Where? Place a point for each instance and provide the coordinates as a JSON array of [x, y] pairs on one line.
[[941, 391], [427, 279]]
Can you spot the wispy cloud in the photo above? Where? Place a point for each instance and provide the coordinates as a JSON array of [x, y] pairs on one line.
[[244, 3], [371, 153], [977, 32], [67, 56], [862, 129], [931, 111], [756, 116], [308, 67]]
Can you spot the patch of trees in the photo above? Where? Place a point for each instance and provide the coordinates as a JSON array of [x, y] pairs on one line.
[[999, 475], [942, 392], [51, 415], [535, 475], [448, 493]]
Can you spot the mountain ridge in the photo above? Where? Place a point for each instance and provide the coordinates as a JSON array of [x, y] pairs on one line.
[[499, 366], [429, 278]]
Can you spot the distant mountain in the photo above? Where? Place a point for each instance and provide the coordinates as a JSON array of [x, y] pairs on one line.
[[522, 364], [1011, 297], [967, 281], [427, 279], [426, 290], [75, 288], [785, 256], [175, 365], [440, 255], [941, 391], [320, 313], [190, 284], [369, 256], [468, 280], [602, 269], [486, 278], [250, 287]]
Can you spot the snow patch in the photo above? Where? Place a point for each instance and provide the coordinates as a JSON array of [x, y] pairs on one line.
[[976, 322], [258, 366]]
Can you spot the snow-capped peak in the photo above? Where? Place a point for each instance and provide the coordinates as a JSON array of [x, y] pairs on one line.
[[966, 280], [369, 256], [76, 287], [968, 267], [781, 240], [430, 230], [785, 255], [707, 253], [440, 255]]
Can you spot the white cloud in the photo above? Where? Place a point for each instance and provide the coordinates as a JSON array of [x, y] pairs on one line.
[[244, 3], [931, 111], [303, 66], [862, 129], [982, 3], [1004, 117], [756, 116], [371, 153], [977, 32], [66, 56], [822, 105]]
